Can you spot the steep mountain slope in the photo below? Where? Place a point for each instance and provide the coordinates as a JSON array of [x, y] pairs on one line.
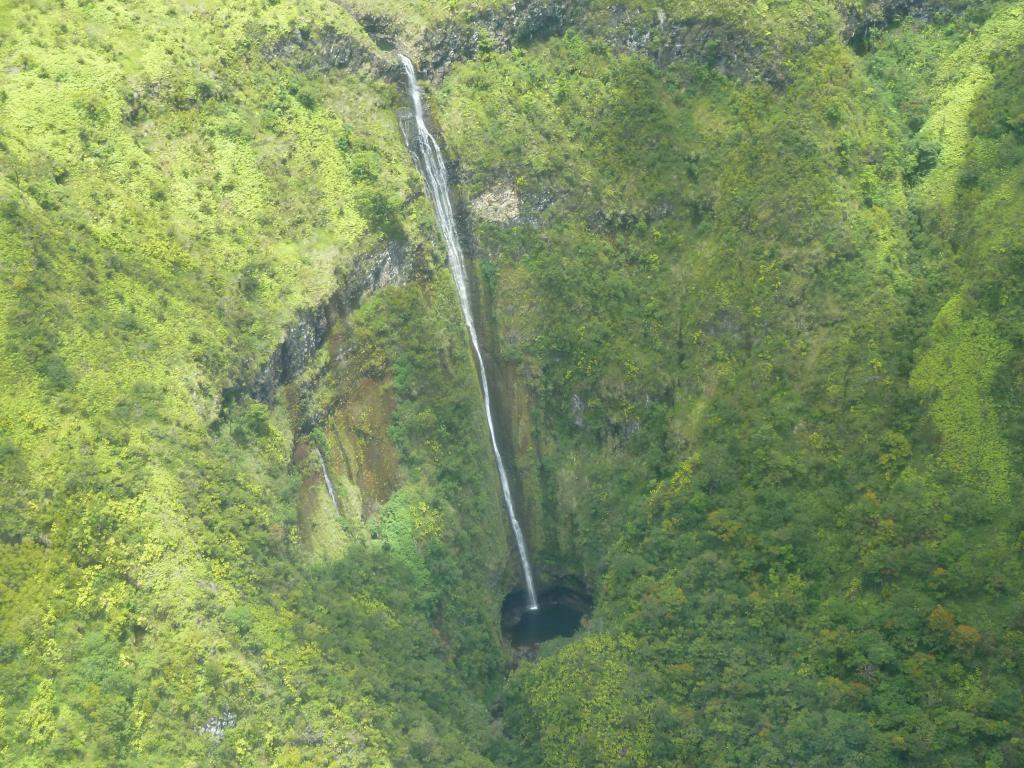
[[751, 276], [170, 200], [774, 407]]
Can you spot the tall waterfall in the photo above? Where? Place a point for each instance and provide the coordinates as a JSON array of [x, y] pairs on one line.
[[429, 160], [327, 479]]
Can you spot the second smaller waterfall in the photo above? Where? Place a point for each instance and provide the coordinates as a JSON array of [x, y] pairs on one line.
[[430, 161], [327, 479]]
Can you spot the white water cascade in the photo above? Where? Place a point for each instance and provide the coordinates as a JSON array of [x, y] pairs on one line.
[[327, 480], [430, 161]]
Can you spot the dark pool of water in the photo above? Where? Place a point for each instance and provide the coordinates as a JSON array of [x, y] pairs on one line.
[[546, 622], [560, 610]]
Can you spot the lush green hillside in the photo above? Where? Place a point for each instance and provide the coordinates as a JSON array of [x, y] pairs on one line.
[[777, 399], [753, 278], [169, 200]]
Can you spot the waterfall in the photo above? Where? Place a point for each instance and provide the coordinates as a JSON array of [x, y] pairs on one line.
[[429, 160], [327, 479]]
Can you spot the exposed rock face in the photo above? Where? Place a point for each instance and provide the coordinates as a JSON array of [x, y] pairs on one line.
[[302, 340], [736, 52], [216, 727], [371, 272], [732, 51], [322, 49], [499, 205], [878, 14], [497, 29], [381, 28]]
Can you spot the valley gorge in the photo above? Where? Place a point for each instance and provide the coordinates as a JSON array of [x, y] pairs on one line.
[[512, 383]]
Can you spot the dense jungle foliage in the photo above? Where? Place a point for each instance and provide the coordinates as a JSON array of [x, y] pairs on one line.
[[751, 276]]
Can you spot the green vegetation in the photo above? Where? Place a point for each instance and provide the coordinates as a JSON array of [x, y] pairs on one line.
[[169, 200], [757, 314], [790, 466]]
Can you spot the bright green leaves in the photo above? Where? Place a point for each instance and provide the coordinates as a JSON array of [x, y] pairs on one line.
[[409, 525], [957, 372], [585, 705]]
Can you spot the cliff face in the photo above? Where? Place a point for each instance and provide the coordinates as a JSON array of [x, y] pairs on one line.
[[307, 334], [497, 28]]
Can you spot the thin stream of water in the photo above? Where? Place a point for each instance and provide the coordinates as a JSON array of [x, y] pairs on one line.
[[430, 161], [327, 479]]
